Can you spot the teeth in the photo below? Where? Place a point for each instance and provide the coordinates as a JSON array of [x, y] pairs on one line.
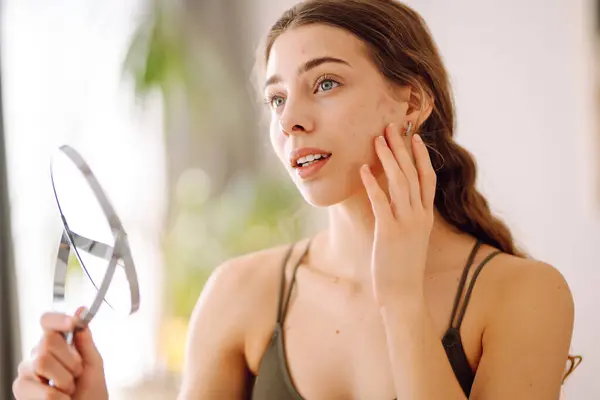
[[307, 160]]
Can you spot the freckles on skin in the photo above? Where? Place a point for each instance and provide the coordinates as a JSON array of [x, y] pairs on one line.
[[380, 113], [387, 108], [365, 121]]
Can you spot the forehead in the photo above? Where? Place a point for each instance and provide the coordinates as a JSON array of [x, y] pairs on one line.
[[300, 44]]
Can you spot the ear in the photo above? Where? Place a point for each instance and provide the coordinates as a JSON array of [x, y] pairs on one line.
[[420, 105]]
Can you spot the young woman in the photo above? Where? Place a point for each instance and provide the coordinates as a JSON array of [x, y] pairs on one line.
[[414, 291]]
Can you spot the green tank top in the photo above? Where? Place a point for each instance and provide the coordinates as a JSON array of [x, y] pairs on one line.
[[274, 382]]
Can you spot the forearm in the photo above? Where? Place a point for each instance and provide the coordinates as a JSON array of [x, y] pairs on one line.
[[421, 369]]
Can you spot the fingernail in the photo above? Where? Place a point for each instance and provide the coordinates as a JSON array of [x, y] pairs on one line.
[[418, 138], [365, 170], [381, 139]]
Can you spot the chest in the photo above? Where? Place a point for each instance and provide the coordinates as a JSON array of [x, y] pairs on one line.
[[335, 343]]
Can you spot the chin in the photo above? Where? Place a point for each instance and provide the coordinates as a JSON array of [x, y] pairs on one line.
[[319, 193], [320, 200]]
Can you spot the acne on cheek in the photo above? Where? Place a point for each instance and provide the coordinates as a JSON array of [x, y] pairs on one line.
[[360, 130], [360, 120], [387, 109], [367, 119], [378, 115]]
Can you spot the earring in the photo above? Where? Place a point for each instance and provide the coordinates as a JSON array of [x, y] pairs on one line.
[[408, 129]]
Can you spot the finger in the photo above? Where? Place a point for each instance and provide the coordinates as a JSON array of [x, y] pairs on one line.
[[54, 343], [84, 343], [377, 197], [25, 389], [404, 160], [48, 367], [427, 176], [57, 322], [397, 183], [25, 370]]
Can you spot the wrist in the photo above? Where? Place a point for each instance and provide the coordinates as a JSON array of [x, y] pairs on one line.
[[408, 296], [403, 306]]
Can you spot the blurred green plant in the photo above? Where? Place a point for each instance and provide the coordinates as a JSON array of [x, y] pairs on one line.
[[252, 214], [206, 225], [156, 57]]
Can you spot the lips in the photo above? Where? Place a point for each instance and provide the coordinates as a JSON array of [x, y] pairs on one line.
[[297, 154]]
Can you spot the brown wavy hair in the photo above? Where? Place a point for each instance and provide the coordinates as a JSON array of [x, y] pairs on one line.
[[402, 48]]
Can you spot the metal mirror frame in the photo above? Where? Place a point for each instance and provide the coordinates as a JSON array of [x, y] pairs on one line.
[[119, 255]]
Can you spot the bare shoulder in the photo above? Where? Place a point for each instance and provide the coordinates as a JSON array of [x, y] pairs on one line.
[[245, 273], [238, 300], [524, 279], [528, 330], [242, 283], [240, 297], [511, 285]]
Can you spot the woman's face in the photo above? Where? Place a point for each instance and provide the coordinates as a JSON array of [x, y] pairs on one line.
[[327, 100]]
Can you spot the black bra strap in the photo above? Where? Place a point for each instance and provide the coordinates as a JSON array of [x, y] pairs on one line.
[[463, 280], [282, 283], [472, 284], [284, 305]]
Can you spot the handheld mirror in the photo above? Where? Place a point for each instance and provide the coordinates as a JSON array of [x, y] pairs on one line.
[[94, 235]]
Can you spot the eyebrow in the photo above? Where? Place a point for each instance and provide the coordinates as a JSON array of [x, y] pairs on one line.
[[307, 66]]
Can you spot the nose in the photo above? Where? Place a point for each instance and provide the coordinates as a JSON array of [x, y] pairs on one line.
[[296, 120], [291, 129]]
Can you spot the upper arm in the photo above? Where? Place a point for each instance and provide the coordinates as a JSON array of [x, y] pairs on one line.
[[215, 366], [526, 342]]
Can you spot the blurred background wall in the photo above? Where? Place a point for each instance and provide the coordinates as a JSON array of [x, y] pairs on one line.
[[156, 95]]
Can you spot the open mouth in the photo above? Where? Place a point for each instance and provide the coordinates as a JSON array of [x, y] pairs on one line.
[[310, 159]]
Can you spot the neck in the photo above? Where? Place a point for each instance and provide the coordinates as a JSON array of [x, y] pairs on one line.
[[345, 248]]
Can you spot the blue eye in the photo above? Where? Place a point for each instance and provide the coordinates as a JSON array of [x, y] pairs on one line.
[[328, 84], [275, 101]]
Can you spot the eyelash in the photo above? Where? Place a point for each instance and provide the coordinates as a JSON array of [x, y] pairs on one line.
[[269, 99]]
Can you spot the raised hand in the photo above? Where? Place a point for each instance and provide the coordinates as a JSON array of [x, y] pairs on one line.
[[403, 216], [77, 371]]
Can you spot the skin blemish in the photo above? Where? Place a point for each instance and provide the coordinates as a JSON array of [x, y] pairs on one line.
[[337, 331]]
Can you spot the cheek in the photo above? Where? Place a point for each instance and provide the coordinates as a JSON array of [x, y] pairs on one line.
[[367, 120], [277, 139]]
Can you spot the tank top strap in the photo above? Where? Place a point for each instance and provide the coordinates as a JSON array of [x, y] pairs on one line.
[[472, 284], [463, 280], [284, 300], [288, 254]]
